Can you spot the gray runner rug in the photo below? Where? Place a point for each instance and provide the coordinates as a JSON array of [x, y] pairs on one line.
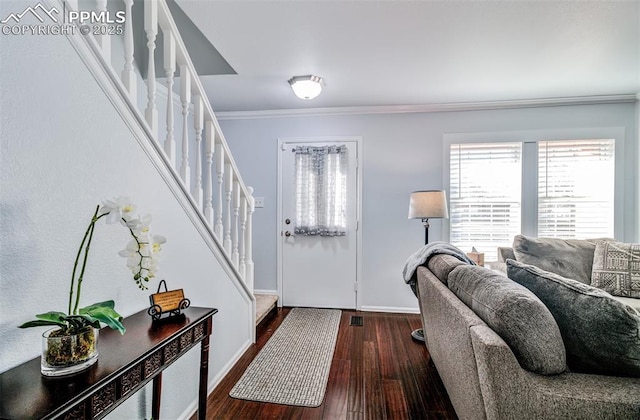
[[293, 367]]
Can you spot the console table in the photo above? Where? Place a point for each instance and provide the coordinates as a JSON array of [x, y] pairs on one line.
[[126, 363]]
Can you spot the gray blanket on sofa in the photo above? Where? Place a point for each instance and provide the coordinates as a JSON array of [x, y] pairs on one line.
[[421, 257]]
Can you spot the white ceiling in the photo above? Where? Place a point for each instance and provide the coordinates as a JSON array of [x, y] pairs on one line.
[[385, 53]]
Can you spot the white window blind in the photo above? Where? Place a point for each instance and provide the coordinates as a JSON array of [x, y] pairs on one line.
[[485, 195], [576, 188]]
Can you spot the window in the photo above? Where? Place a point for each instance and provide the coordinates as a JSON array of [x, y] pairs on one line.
[[494, 191], [484, 195], [321, 190], [575, 188]]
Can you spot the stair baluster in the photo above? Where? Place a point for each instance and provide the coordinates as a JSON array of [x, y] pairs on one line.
[[243, 237], [128, 75], [151, 29], [170, 69], [235, 255], [104, 39], [219, 157], [208, 177], [185, 98], [228, 190], [198, 116], [249, 240]]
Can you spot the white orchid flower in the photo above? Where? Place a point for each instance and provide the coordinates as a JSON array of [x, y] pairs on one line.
[[142, 225], [118, 209]]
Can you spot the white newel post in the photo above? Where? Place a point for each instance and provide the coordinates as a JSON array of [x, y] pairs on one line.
[[104, 39], [243, 238], [235, 255], [219, 157], [210, 136], [228, 190], [151, 28], [185, 98], [249, 240], [197, 125], [128, 75], [170, 69]]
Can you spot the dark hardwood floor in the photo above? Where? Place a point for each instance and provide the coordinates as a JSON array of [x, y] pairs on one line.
[[378, 372]]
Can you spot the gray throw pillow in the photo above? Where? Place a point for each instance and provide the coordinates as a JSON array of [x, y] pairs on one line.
[[515, 314], [616, 268], [571, 258], [601, 334]]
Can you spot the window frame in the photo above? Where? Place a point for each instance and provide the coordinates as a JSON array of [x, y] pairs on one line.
[[529, 187]]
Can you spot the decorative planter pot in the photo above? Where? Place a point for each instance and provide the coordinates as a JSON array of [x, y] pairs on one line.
[[67, 354]]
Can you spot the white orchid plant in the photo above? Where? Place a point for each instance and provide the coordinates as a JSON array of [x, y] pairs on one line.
[[142, 258]]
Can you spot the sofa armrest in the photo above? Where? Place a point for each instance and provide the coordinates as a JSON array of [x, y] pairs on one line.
[[446, 321], [503, 390], [510, 392]]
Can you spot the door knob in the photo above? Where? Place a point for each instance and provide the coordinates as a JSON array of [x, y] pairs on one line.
[[287, 234], [287, 221]]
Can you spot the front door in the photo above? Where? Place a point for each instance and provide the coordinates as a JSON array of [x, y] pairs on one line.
[[319, 263]]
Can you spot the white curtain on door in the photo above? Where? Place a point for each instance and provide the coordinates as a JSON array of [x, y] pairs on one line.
[[321, 190]]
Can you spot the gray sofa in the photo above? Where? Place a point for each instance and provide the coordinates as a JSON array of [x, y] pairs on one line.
[[483, 376]]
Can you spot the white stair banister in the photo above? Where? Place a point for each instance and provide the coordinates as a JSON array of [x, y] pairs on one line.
[[210, 137], [128, 75], [185, 99], [219, 158], [169, 69], [198, 125], [151, 29], [213, 194]]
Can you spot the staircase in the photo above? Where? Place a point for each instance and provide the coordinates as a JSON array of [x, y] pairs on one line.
[[176, 127]]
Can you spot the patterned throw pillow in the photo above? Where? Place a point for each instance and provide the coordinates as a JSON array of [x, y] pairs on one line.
[[616, 268]]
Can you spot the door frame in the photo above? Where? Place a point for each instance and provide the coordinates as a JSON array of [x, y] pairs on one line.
[[279, 227]]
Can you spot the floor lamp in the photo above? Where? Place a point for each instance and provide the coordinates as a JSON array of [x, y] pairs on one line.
[[425, 205]]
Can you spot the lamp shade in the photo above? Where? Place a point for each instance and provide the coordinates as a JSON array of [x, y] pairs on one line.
[[428, 204], [306, 87]]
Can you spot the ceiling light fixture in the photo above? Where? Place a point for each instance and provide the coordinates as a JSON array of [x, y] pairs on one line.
[[306, 87]]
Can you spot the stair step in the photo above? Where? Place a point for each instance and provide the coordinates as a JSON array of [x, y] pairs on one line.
[[264, 305]]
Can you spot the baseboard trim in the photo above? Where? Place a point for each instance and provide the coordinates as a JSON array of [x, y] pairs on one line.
[[215, 381], [390, 309]]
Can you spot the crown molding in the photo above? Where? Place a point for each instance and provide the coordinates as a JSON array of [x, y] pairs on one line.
[[428, 108]]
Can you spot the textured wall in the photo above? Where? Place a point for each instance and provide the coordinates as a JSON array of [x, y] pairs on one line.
[[63, 150]]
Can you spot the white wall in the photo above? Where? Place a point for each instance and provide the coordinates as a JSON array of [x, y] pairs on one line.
[[63, 149], [401, 153]]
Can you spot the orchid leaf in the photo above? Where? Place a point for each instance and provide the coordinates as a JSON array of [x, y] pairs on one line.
[[105, 313], [41, 323], [52, 316], [47, 319], [106, 304]]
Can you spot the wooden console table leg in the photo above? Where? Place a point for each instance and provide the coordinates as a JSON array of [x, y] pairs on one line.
[[204, 379], [157, 390]]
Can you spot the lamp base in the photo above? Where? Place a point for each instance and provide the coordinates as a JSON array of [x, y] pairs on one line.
[[418, 335]]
